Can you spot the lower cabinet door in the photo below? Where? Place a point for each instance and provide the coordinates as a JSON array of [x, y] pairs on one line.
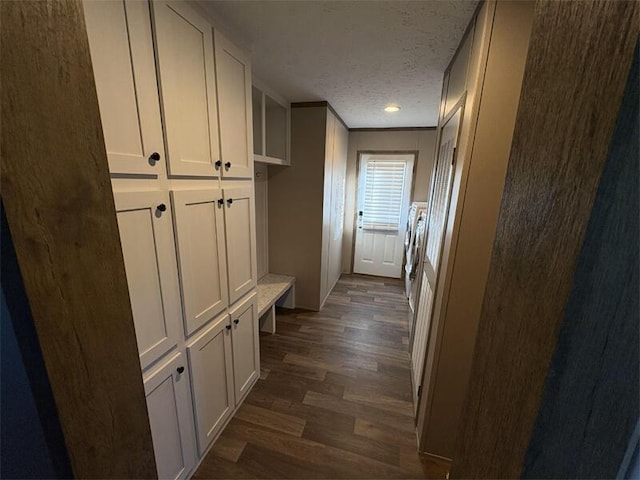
[[212, 379], [239, 218], [171, 419], [246, 345]]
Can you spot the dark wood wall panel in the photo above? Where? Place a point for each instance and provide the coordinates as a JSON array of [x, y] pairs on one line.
[[57, 195], [590, 405], [577, 66]]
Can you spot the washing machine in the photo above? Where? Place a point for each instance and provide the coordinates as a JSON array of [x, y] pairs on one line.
[[415, 211]]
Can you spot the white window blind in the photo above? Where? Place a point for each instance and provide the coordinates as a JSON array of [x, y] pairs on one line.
[[383, 192]]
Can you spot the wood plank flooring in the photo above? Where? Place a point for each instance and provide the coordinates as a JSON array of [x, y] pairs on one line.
[[334, 398]]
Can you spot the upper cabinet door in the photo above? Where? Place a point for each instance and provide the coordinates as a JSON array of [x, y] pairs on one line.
[[124, 69], [241, 240], [184, 45], [234, 105], [144, 221], [199, 227]]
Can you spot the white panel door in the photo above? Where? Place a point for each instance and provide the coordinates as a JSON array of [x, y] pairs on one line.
[[171, 418], [184, 45], [124, 68], [144, 221], [211, 365], [199, 227], [384, 187], [421, 335], [239, 214], [233, 73], [441, 194], [439, 201], [246, 346]]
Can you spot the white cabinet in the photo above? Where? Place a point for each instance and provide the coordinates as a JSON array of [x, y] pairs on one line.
[[144, 221], [184, 47], [170, 86], [241, 240], [246, 348], [170, 417], [336, 164], [123, 65], [234, 104], [210, 359], [271, 126], [199, 227]]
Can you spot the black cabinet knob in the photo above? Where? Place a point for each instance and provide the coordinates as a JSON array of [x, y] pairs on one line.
[[227, 165], [180, 369], [218, 163], [162, 207], [220, 202], [155, 156], [228, 327], [229, 201], [236, 321]]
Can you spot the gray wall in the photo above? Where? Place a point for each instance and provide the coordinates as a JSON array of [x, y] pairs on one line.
[[422, 141]]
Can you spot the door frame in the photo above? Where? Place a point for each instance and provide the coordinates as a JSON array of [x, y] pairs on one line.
[[359, 154]]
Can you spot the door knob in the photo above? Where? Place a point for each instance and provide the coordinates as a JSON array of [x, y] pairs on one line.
[[162, 207], [229, 201], [154, 157], [218, 163], [228, 327], [180, 369], [227, 165], [236, 321], [220, 202]]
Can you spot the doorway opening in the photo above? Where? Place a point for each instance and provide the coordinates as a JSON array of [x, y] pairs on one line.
[[384, 190]]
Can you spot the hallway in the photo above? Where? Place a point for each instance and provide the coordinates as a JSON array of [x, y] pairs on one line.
[[334, 398]]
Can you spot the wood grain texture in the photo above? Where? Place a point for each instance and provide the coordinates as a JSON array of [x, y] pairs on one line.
[[591, 405], [57, 195], [334, 403], [578, 61]]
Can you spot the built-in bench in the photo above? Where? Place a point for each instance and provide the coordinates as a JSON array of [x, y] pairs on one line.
[[274, 290]]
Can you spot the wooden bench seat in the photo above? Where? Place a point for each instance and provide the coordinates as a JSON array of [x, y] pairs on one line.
[[274, 290]]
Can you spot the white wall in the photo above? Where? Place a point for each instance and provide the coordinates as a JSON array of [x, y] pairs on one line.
[[422, 141]]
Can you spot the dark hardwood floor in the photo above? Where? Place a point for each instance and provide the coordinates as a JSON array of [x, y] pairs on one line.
[[334, 399]]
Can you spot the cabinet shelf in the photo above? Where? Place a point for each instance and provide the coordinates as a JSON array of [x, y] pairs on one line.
[[270, 160], [271, 126]]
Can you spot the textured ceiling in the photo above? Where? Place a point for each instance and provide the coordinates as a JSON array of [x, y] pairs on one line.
[[358, 55]]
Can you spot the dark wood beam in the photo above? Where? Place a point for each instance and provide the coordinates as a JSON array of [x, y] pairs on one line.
[[578, 61], [57, 196]]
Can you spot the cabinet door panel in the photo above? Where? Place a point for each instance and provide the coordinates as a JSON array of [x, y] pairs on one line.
[[149, 257], [246, 346], [170, 417], [123, 65], [184, 44], [212, 372], [234, 104], [241, 240], [199, 227]]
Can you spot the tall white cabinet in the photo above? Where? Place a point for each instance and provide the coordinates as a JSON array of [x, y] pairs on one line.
[[175, 105], [186, 73]]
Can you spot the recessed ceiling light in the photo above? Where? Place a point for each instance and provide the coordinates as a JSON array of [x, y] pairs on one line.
[[391, 108]]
